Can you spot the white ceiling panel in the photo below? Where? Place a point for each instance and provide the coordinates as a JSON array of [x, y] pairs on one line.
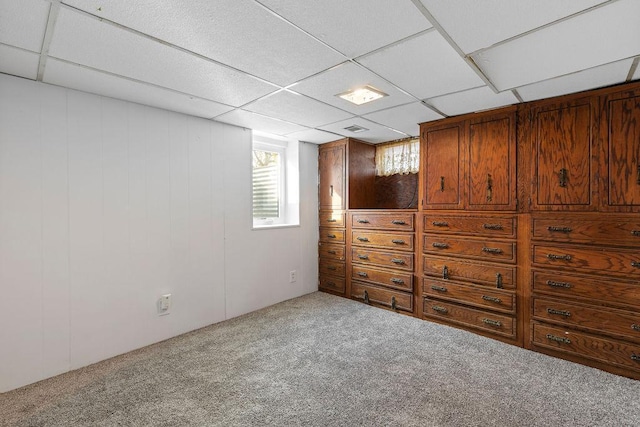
[[87, 80], [469, 101], [240, 33], [297, 108], [314, 136], [425, 66], [19, 62], [606, 34], [87, 41], [259, 122], [405, 118], [374, 133], [353, 27], [603, 75], [347, 76], [474, 24], [23, 23]]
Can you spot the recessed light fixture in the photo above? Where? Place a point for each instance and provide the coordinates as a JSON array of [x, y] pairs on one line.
[[362, 95], [355, 129]]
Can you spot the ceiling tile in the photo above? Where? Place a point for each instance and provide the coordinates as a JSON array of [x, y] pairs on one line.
[[19, 62], [314, 136], [87, 80], [258, 122], [405, 118], [325, 86], [240, 33], [474, 24], [88, 41], [425, 66], [23, 23], [603, 75], [374, 133], [469, 101], [606, 34], [353, 27], [297, 108]]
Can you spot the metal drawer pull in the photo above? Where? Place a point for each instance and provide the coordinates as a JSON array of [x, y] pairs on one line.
[[331, 283], [636, 233], [445, 272], [331, 236], [363, 239], [492, 250], [558, 339], [499, 280], [492, 299], [635, 264], [563, 177], [363, 221], [560, 229], [331, 190], [366, 297], [560, 312], [394, 304], [558, 284], [442, 183], [635, 327], [440, 309], [398, 222], [440, 245], [559, 257], [331, 252], [397, 281], [635, 357], [331, 267], [492, 322], [440, 224], [489, 187], [398, 241], [397, 261], [492, 226], [362, 274], [638, 175], [363, 256], [331, 220], [439, 288]]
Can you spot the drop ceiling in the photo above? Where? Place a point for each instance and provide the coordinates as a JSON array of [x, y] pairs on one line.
[[277, 65]]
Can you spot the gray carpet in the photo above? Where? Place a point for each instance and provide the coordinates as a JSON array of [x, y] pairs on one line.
[[320, 360]]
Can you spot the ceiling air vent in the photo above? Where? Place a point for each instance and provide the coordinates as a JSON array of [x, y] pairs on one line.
[[356, 129]]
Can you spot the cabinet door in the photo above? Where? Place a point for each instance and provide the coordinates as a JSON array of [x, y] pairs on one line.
[[562, 138], [442, 159], [492, 177], [331, 167]]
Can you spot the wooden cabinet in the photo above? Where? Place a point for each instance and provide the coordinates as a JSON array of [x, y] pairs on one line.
[[332, 190], [442, 150]]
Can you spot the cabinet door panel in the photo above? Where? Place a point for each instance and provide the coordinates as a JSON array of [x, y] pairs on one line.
[[624, 152], [443, 156], [332, 177]]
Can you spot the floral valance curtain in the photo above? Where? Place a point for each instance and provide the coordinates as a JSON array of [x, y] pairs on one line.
[[401, 157]]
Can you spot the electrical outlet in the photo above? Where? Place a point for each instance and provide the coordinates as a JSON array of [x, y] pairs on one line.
[[164, 304], [293, 276]]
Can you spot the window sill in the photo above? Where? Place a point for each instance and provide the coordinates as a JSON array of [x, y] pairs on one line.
[[273, 226]]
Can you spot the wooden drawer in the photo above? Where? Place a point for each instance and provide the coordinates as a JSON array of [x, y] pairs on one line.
[[493, 275], [619, 323], [589, 259], [395, 241], [394, 279], [383, 221], [603, 289], [607, 350], [623, 231], [478, 319], [329, 251], [331, 235], [482, 297], [332, 219], [382, 296], [484, 250], [334, 268], [398, 260], [489, 226], [332, 283]]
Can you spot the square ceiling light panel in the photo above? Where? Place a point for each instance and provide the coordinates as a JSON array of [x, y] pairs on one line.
[[425, 66], [372, 132], [18, 62], [353, 27], [314, 136], [601, 76], [362, 95], [259, 122], [88, 80], [325, 86], [297, 108], [23, 23], [474, 24], [88, 41], [469, 101], [404, 118], [240, 33], [606, 34]]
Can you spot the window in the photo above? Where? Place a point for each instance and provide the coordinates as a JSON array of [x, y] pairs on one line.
[[398, 157]]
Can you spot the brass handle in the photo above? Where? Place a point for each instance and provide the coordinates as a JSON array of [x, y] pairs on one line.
[[635, 327], [440, 245], [440, 224], [363, 221], [362, 274], [559, 229], [331, 220], [331, 267], [394, 304], [442, 183], [331, 252], [635, 264], [492, 250], [397, 281], [398, 241], [331, 190], [397, 261], [362, 239], [331, 283], [636, 233], [398, 222], [559, 312], [635, 357], [558, 284], [440, 309], [492, 322], [638, 175], [558, 339], [492, 226], [363, 256], [366, 297], [489, 187], [331, 236], [499, 280], [439, 288], [445, 272], [563, 177], [555, 257], [491, 299]]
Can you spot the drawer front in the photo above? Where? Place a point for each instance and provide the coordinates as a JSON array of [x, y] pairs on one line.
[[496, 323], [623, 324], [332, 283], [589, 259], [396, 241], [606, 350], [381, 296], [332, 219], [494, 299], [484, 250], [330, 235], [619, 231], [329, 251], [333, 268], [398, 260], [489, 226], [603, 289], [393, 279], [496, 276], [398, 221]]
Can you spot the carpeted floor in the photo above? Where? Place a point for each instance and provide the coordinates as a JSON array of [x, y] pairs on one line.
[[321, 360]]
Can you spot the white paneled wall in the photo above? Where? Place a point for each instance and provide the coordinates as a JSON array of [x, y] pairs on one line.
[[105, 205]]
